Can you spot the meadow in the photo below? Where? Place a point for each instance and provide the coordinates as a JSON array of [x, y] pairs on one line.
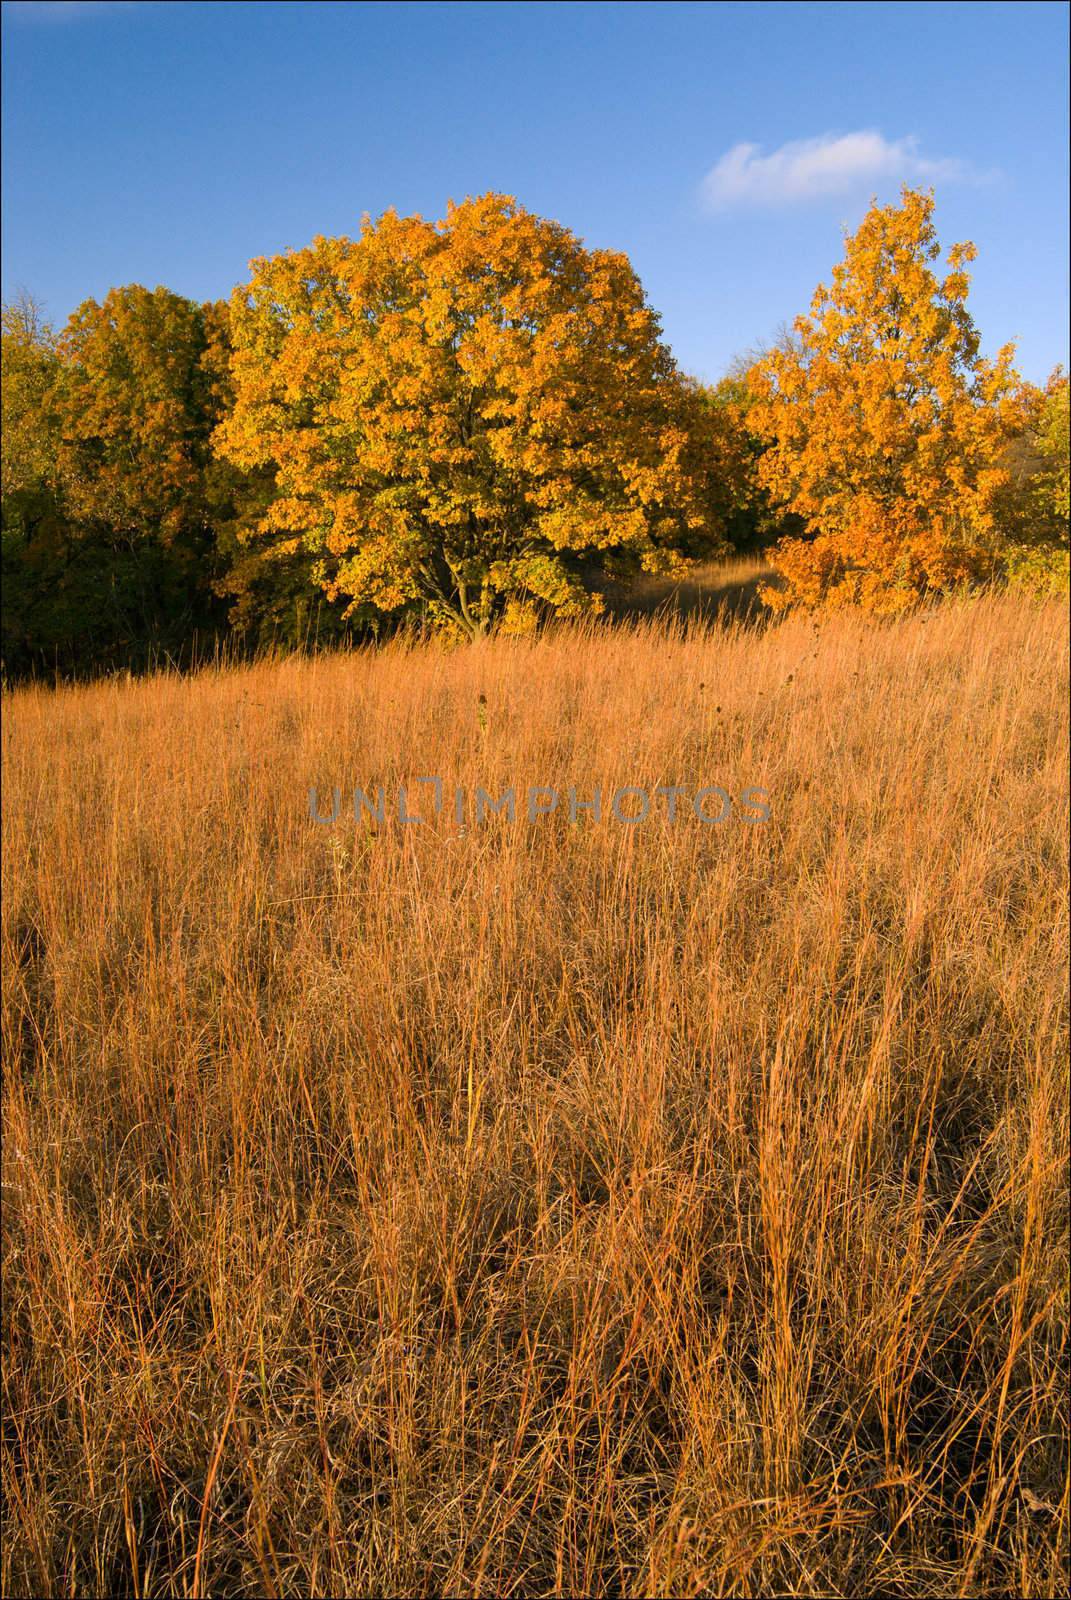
[[544, 1208]]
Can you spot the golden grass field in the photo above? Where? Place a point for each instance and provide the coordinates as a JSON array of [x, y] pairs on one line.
[[544, 1208]]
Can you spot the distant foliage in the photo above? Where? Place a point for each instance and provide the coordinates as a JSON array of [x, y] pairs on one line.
[[111, 495], [464, 419], [751, 517], [33, 531], [475, 423], [887, 429], [1040, 570], [1036, 503]]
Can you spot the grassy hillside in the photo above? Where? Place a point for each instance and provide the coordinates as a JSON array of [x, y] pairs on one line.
[[534, 1207]]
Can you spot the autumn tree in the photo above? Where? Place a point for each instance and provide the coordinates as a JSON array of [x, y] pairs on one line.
[[467, 418], [136, 399], [1053, 478], [30, 365], [113, 497], [1036, 504], [31, 514], [750, 515], [269, 601], [1039, 501], [886, 427]]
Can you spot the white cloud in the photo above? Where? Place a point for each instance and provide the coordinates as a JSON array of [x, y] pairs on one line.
[[814, 169]]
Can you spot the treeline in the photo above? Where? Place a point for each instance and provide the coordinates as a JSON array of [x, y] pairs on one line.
[[475, 423], [128, 535], [122, 526]]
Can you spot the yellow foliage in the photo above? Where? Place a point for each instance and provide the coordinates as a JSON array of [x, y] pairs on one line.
[[462, 412], [140, 381], [1036, 504], [29, 428], [886, 428]]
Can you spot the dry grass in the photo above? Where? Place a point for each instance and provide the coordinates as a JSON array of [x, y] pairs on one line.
[[544, 1208]]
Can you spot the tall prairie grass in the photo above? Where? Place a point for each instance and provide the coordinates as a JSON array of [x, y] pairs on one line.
[[544, 1207]]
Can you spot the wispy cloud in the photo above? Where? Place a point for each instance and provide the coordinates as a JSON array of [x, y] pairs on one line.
[[816, 169], [64, 10]]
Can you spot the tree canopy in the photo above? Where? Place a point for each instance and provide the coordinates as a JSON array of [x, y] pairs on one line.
[[476, 423], [466, 417], [109, 510], [886, 428]]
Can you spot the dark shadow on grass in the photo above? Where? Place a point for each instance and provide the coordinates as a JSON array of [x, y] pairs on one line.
[[725, 592]]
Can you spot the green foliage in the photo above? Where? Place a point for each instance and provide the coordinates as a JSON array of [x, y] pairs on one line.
[[1038, 569]]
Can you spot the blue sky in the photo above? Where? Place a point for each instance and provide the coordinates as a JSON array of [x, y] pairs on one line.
[[723, 147]]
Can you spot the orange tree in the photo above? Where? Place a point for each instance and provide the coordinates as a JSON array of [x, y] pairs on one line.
[[269, 601], [468, 418], [887, 430]]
